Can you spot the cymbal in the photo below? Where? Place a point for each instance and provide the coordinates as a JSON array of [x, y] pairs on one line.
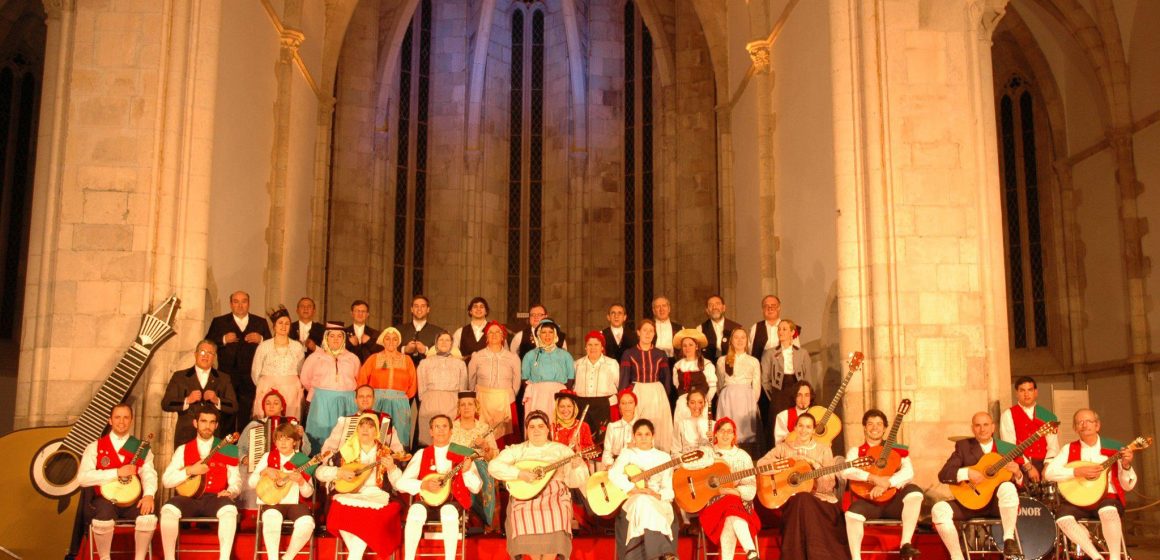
[[958, 438]]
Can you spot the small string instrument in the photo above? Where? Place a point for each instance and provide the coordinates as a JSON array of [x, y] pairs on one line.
[[1083, 492], [439, 497], [194, 485], [124, 491], [542, 471], [887, 461], [271, 490]]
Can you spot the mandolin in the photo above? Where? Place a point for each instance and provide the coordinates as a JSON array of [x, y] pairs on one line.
[[1083, 492], [828, 424], [694, 489], [774, 491], [604, 497], [194, 485], [977, 496], [887, 461], [124, 491], [438, 498], [270, 491], [543, 472]]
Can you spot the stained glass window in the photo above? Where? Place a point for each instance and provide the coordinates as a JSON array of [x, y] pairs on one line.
[[526, 158], [638, 163]]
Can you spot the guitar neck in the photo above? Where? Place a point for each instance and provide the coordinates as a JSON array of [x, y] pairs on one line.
[[837, 399], [1111, 460], [1016, 452], [645, 475], [735, 476], [888, 444], [825, 471]]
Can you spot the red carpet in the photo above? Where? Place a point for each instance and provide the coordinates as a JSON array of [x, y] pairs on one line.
[[583, 548]]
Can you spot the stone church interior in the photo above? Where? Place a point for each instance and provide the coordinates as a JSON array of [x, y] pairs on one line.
[[960, 189]]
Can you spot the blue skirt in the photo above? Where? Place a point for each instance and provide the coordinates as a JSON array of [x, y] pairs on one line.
[[398, 406], [326, 408]]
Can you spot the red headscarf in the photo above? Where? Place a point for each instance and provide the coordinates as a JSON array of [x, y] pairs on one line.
[[628, 392], [276, 394], [594, 334], [725, 420], [491, 324]]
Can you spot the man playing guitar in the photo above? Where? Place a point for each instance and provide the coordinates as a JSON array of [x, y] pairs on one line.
[[1022, 419], [218, 464], [438, 458], [906, 503], [1091, 447], [1005, 503], [112, 457]]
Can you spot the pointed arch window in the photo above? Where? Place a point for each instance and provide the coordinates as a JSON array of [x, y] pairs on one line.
[[638, 163], [526, 161]]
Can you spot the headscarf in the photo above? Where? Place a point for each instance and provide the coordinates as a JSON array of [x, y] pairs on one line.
[[597, 335], [570, 395], [383, 336], [351, 448], [333, 326], [725, 420]]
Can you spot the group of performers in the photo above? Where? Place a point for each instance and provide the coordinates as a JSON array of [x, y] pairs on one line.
[[644, 450]]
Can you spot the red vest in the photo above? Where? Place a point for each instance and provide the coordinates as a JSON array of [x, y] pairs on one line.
[[217, 478], [274, 461], [109, 457], [865, 448], [1073, 454], [1024, 427], [791, 421], [458, 488]]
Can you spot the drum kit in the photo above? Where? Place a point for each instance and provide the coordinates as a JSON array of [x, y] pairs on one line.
[[1038, 536]]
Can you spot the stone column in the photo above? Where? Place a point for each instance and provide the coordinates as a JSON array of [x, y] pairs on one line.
[[276, 227], [766, 118]]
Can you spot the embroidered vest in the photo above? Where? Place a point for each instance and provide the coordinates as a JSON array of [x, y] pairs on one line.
[[217, 478], [1074, 449], [1025, 426], [109, 458], [458, 488]]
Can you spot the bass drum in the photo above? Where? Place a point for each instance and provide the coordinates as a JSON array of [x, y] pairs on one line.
[[1035, 529]]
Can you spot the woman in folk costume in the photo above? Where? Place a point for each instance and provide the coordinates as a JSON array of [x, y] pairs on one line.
[[330, 378], [547, 369], [494, 374], [619, 433], [366, 517], [786, 420], [692, 371], [692, 431], [442, 375], [646, 370], [739, 379], [569, 430], [540, 528], [469, 431], [277, 362], [282, 463], [648, 510], [392, 374], [266, 425], [597, 381], [729, 520], [812, 522], [784, 366]]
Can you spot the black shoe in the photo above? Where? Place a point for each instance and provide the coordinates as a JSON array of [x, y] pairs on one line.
[[752, 555], [1011, 550], [908, 550]]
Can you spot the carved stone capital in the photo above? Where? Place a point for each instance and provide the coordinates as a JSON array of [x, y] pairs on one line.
[[55, 8], [759, 54], [987, 14], [291, 39]]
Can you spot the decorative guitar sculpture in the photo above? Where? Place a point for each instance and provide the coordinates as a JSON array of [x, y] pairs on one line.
[[604, 497], [977, 496], [829, 425], [886, 460], [1083, 492]]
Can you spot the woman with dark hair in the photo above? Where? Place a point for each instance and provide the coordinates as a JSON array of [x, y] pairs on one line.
[[645, 369], [469, 338], [648, 510], [786, 420], [277, 362], [547, 369], [692, 371], [494, 374], [783, 366]]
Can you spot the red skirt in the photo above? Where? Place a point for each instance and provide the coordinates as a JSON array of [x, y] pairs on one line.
[[378, 527], [714, 515]]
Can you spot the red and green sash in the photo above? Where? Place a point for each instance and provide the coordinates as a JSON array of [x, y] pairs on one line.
[[296, 460], [217, 479], [1026, 426], [458, 488], [1108, 447]]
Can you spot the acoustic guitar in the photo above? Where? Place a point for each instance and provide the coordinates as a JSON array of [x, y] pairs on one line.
[[543, 472], [828, 424], [991, 465], [194, 485], [774, 491], [124, 491], [1083, 492], [44, 462], [604, 497], [887, 461], [439, 497], [694, 489], [270, 491]]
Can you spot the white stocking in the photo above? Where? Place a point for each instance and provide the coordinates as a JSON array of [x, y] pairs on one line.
[[1008, 509], [450, 520], [943, 518], [354, 545], [1078, 535], [143, 537], [728, 539], [413, 530], [1113, 531], [170, 516], [103, 536], [911, 507], [303, 528], [227, 518], [271, 532], [741, 533], [854, 531]]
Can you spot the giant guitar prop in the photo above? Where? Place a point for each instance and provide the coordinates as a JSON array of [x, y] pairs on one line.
[[43, 463]]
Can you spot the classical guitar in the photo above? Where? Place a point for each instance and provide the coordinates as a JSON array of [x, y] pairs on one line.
[[774, 491], [991, 465], [543, 472], [271, 490], [694, 489], [439, 497], [1083, 492], [829, 425], [194, 485], [126, 490], [887, 461], [51, 456], [604, 497]]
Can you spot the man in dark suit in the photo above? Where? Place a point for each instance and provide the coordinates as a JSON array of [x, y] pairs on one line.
[[237, 335], [619, 334], [417, 335], [306, 330], [194, 389], [361, 337], [716, 328], [1004, 504]]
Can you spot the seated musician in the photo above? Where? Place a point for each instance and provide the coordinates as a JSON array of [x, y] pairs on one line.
[[1005, 503], [364, 399], [256, 440], [539, 528], [366, 516], [618, 434], [1093, 448], [282, 463], [730, 520], [906, 503], [786, 420], [1023, 419], [112, 457], [222, 483], [810, 520], [440, 458], [691, 430], [648, 510], [470, 432], [570, 430]]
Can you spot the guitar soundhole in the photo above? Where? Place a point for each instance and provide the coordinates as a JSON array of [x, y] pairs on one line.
[[820, 430], [880, 463], [61, 468]]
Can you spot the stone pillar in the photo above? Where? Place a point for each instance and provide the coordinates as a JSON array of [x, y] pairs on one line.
[[766, 118], [276, 227], [921, 278]]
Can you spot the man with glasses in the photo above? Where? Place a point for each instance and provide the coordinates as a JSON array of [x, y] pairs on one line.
[[619, 334], [194, 389], [523, 341]]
